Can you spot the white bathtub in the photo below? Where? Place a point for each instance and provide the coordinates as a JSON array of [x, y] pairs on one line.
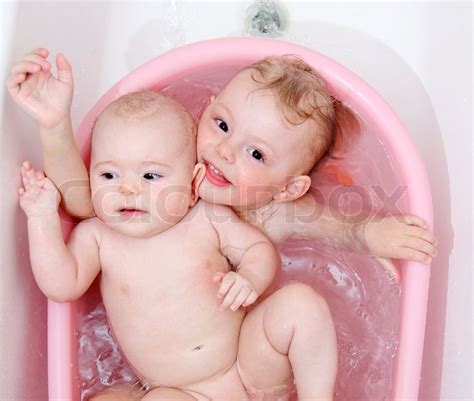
[[416, 55]]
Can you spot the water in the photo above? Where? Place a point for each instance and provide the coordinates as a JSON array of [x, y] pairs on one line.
[[363, 300]]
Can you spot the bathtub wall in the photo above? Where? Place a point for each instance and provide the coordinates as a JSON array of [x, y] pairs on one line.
[[416, 54]]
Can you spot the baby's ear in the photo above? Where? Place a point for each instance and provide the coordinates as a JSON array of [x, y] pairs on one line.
[[294, 189], [198, 175]]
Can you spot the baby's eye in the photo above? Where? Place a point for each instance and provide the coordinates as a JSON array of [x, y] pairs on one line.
[[222, 125], [151, 176], [256, 154], [109, 176]]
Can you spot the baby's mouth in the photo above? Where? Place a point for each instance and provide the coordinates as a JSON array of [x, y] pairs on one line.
[[131, 212], [215, 176]]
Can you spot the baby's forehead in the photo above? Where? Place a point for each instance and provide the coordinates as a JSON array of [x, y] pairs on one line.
[[156, 139], [241, 82]]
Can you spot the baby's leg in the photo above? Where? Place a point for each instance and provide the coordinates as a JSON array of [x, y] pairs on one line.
[[171, 394], [127, 393], [290, 333]]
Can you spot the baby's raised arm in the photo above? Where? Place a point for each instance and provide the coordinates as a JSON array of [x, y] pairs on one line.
[[250, 252], [62, 272], [48, 100]]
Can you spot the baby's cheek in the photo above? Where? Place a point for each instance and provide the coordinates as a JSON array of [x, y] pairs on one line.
[[201, 146], [103, 200], [203, 140], [255, 189], [254, 195], [175, 206]]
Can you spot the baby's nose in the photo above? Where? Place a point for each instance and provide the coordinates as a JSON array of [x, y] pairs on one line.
[[130, 187], [225, 151]]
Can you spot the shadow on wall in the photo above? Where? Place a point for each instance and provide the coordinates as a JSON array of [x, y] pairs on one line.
[[401, 87], [58, 27]]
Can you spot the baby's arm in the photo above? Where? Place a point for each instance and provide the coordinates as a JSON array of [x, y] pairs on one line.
[[403, 237], [62, 272], [48, 100], [248, 250]]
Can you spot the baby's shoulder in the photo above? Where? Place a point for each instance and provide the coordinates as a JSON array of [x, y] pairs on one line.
[[89, 224], [211, 211], [92, 226]]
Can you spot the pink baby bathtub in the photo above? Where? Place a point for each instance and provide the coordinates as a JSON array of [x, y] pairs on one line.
[[232, 53]]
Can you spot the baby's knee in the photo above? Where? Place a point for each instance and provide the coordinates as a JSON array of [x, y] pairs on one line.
[[304, 300]]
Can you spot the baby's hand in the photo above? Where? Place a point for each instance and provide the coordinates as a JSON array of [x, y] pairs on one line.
[[38, 196], [400, 237], [45, 98], [235, 290]]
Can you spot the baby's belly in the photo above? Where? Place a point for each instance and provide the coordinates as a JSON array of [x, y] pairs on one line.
[[172, 335]]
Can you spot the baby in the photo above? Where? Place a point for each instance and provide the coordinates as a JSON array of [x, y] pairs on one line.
[[163, 255], [259, 139]]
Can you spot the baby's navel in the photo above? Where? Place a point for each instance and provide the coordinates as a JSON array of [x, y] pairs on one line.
[[198, 347]]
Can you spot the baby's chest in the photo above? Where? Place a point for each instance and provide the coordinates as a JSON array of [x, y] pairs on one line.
[[160, 262]]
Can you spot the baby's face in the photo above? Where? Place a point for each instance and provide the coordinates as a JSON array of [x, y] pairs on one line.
[[141, 173], [249, 150]]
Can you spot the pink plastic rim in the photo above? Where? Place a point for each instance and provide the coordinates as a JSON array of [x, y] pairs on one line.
[[345, 85]]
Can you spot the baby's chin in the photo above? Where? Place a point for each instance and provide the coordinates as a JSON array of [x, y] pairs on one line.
[[136, 227], [210, 194], [229, 196], [137, 230]]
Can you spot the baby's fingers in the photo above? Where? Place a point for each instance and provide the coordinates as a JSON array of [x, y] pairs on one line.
[[24, 67], [40, 51], [420, 245], [218, 277], [413, 254], [242, 296], [14, 81], [38, 59], [39, 175], [64, 69], [414, 220], [227, 282], [251, 298], [230, 297], [28, 176], [421, 233]]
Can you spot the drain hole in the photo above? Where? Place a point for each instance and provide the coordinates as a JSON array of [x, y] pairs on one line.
[[265, 18]]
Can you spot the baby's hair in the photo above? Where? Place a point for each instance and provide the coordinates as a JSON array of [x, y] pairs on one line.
[[142, 105], [145, 104], [302, 94]]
